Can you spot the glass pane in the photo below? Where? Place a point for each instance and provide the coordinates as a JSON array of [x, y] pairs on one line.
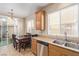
[[54, 23], [30, 26], [4, 32], [0, 32], [10, 27], [15, 22], [69, 20]]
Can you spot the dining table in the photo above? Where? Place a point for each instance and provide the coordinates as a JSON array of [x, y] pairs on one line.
[[22, 40]]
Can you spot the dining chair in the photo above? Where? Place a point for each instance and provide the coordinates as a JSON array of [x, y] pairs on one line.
[[23, 43], [15, 41], [29, 35]]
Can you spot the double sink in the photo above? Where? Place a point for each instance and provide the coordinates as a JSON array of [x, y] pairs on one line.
[[66, 43]]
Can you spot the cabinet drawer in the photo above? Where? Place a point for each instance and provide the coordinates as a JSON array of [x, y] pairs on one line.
[[55, 51]]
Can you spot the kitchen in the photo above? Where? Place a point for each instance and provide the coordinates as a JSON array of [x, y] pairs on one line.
[[56, 26], [59, 31]]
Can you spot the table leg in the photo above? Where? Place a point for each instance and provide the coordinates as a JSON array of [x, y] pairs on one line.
[[19, 47]]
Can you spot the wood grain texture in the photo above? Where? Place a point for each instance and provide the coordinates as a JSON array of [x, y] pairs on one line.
[[40, 20], [34, 46], [58, 51]]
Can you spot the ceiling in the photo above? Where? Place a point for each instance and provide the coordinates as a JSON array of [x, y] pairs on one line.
[[20, 9]]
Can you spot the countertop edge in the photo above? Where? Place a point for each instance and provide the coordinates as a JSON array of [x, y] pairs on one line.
[[50, 41]]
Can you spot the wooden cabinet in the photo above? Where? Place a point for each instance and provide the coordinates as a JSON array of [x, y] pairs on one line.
[[59, 51], [40, 20], [54, 50], [34, 46]]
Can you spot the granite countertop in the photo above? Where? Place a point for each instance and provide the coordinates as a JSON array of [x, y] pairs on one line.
[[50, 40]]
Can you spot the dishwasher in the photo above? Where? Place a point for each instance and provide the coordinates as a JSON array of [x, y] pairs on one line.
[[42, 48]]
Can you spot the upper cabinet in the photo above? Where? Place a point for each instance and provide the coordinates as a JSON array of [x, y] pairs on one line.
[[40, 20]]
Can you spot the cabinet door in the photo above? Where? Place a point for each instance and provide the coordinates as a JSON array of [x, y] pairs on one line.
[[34, 46], [55, 51], [59, 51], [68, 52], [40, 20]]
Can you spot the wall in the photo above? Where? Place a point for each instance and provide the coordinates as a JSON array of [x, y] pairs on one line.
[[31, 17], [21, 26]]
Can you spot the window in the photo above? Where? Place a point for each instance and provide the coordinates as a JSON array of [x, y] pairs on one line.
[[16, 31], [30, 26], [69, 20], [54, 23], [64, 20]]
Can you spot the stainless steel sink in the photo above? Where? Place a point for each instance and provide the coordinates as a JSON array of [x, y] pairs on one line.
[[72, 45], [59, 41], [66, 43]]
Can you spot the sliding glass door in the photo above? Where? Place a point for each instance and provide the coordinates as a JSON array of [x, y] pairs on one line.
[[6, 30], [4, 39], [0, 32], [3, 31]]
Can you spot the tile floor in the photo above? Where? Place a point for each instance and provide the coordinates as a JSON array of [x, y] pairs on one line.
[[9, 50]]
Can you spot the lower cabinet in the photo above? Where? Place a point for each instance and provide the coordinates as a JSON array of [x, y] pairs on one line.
[[34, 46], [59, 51], [54, 50]]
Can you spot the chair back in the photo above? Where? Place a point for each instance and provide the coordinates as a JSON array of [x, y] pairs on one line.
[[14, 37]]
